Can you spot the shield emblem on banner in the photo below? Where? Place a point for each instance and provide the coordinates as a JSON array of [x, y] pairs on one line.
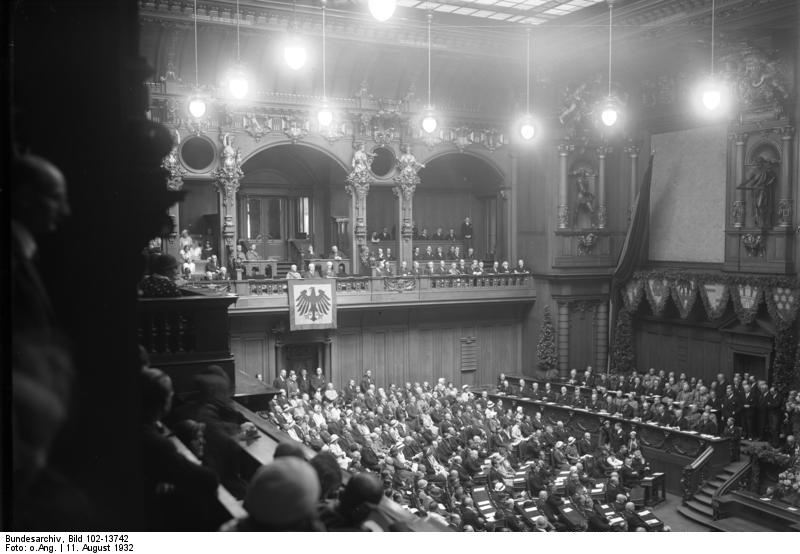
[[312, 304]]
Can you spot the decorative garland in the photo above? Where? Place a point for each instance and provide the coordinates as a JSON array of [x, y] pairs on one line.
[[768, 454], [785, 305], [783, 373]]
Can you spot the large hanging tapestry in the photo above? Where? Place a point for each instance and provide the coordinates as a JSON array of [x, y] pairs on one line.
[[312, 304]]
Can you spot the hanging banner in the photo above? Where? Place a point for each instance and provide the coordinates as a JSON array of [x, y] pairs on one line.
[[632, 294], [715, 299], [684, 294], [746, 300], [312, 304], [782, 303], [657, 293]]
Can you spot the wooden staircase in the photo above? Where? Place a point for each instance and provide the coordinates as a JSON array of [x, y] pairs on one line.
[[699, 508]]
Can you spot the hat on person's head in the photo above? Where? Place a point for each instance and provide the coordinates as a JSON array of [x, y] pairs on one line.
[[559, 444], [499, 486], [571, 440], [282, 493], [490, 404], [334, 437], [422, 483]]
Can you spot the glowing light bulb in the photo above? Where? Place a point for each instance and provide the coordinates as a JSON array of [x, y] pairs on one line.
[[197, 107], [527, 129], [294, 53], [238, 86], [609, 116], [325, 117], [382, 9], [429, 123], [712, 98]]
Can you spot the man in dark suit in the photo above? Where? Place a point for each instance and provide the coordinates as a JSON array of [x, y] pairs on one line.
[[467, 232], [281, 382], [748, 411], [366, 381]]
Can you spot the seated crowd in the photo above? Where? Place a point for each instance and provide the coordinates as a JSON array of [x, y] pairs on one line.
[[434, 447], [742, 408]]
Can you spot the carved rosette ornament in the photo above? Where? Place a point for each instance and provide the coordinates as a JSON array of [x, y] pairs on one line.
[[173, 165]]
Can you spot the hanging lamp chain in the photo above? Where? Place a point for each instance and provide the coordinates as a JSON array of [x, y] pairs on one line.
[[528, 75], [324, 56], [610, 37], [238, 45], [713, 14], [196, 64], [430, 18]]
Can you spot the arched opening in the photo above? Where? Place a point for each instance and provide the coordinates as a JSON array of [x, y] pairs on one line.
[[455, 186], [286, 202]]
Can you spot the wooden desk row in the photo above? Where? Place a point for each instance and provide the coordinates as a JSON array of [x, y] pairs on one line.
[[667, 450]]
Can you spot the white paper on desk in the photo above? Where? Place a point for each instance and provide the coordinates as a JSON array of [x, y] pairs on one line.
[[652, 521], [482, 502], [644, 513], [615, 520], [659, 474], [791, 508], [567, 510], [765, 499]]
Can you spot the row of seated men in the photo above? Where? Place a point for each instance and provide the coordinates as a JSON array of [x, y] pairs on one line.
[[430, 446], [745, 407]]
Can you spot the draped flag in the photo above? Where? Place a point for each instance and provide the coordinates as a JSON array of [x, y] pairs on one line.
[[634, 289], [312, 304], [634, 250], [657, 291], [684, 294], [715, 299], [783, 303], [746, 300]]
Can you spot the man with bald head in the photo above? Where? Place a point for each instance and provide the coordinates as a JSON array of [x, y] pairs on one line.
[[38, 205]]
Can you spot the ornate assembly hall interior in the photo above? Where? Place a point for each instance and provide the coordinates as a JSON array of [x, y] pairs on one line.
[[395, 265]]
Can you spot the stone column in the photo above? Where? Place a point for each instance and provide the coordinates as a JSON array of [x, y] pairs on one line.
[[563, 193], [563, 338], [504, 209], [405, 206], [602, 213], [633, 157], [511, 202], [785, 192], [175, 172], [738, 206], [358, 189], [226, 181], [601, 335]]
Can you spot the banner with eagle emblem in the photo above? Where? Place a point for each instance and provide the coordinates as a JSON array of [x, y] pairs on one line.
[[312, 304]]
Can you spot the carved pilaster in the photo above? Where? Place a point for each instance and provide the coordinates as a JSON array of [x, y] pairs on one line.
[[601, 335], [173, 165], [633, 157], [226, 181], [564, 150], [357, 187], [739, 206], [406, 183], [563, 337], [602, 152], [785, 215]]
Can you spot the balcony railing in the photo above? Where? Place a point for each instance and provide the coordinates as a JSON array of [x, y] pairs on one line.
[[272, 293]]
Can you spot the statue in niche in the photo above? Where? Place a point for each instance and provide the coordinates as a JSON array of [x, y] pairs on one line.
[[585, 200], [760, 182], [408, 165]]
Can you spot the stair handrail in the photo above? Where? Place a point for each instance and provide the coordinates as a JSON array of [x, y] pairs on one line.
[[726, 487], [694, 474]]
